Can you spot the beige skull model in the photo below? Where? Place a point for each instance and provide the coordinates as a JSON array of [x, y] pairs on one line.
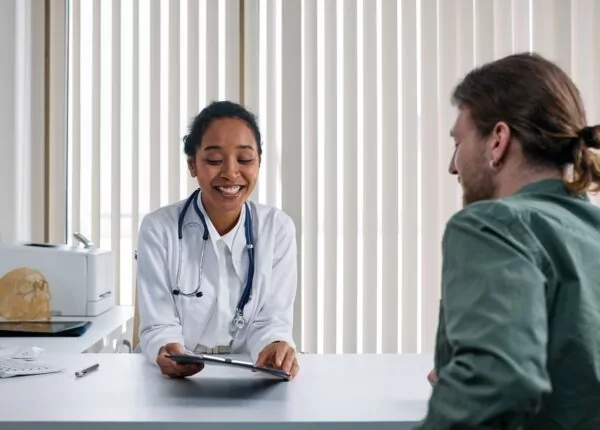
[[24, 296]]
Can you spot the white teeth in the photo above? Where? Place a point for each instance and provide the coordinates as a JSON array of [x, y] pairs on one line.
[[230, 190]]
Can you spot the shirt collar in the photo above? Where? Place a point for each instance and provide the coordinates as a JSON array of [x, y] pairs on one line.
[[232, 238], [550, 186]]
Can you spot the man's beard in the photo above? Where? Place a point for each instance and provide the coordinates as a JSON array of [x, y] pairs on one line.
[[478, 184]]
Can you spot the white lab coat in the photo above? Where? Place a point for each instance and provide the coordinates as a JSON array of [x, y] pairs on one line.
[[193, 321]]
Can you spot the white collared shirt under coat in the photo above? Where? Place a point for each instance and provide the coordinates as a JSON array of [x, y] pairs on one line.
[[192, 321]]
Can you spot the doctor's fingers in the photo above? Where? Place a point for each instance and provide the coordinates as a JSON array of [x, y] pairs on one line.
[[288, 361], [282, 353], [266, 357], [185, 370], [295, 369], [170, 368], [182, 370]]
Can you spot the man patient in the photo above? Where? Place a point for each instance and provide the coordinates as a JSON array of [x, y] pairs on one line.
[[518, 342]]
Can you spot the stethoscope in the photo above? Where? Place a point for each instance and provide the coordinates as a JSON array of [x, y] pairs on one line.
[[237, 322]]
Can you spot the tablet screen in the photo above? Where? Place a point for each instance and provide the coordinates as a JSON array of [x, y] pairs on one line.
[[39, 326], [225, 361]]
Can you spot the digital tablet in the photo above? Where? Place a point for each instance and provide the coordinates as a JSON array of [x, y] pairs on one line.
[[224, 361], [43, 328]]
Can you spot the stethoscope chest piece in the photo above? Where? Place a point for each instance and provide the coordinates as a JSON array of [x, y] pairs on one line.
[[237, 323]]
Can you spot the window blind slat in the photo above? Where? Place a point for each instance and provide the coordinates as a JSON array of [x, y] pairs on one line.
[[430, 227], [319, 18], [115, 163], [502, 20], [273, 100], [232, 51], [310, 189], [521, 19], [330, 176], [351, 233], [76, 119], [447, 78], [211, 64], [291, 126], [164, 106], [193, 77], [340, 145], [584, 32], [96, 92], [251, 63], [154, 90], [390, 174], [174, 146], [257, 23], [464, 50], [135, 132], [543, 13], [465, 54], [562, 29], [56, 203], [552, 30], [368, 155], [409, 215], [203, 53], [484, 31]]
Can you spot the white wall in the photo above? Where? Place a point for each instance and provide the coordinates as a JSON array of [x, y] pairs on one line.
[[21, 120]]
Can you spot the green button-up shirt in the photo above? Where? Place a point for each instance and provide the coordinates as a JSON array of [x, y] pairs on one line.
[[518, 342]]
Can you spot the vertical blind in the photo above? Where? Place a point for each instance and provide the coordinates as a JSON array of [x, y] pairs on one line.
[[138, 73], [352, 98]]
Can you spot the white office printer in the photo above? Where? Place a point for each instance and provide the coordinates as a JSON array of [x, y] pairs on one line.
[[39, 281]]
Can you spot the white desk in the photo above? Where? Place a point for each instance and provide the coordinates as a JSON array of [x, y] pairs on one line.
[[126, 392], [106, 330]]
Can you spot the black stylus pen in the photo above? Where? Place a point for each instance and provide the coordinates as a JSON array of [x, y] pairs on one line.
[[87, 370]]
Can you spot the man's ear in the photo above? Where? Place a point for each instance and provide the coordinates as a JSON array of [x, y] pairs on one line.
[[191, 162], [501, 138]]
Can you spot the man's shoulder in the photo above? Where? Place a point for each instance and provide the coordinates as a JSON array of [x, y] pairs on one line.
[[501, 212]]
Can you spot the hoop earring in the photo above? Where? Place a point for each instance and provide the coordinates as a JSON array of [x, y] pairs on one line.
[[494, 164]]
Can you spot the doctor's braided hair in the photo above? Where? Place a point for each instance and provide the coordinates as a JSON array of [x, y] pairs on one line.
[[214, 111]]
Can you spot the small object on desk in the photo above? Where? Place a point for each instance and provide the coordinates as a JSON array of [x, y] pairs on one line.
[[28, 353], [10, 367], [83, 372]]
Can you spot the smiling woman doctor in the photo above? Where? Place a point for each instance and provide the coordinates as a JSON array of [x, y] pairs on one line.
[[217, 273]]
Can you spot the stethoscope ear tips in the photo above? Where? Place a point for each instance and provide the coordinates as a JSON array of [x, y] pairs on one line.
[[199, 294]]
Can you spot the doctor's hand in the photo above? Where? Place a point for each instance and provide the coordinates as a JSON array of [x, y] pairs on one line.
[[281, 356], [170, 368]]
